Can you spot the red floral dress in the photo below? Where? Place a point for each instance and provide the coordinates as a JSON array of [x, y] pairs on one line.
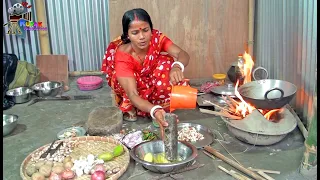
[[152, 76]]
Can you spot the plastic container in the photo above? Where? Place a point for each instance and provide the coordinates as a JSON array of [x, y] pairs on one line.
[[183, 97], [89, 83], [219, 78]]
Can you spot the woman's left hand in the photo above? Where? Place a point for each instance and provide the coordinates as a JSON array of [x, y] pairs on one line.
[[176, 75]]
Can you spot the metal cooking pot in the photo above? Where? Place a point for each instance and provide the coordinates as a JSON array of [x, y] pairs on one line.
[[21, 94], [268, 94], [49, 88]]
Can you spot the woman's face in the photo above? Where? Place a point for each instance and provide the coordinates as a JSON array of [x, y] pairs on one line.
[[140, 34]]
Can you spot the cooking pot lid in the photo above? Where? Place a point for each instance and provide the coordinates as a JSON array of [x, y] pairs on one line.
[[227, 89]]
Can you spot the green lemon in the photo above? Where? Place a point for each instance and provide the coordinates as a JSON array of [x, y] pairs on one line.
[[118, 150], [160, 158], [106, 156], [148, 157]]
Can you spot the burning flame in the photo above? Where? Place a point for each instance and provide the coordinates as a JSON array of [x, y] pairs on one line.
[[243, 107], [247, 67], [271, 112]]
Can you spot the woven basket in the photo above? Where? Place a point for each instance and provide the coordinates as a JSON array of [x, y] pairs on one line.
[[88, 147], [89, 83]]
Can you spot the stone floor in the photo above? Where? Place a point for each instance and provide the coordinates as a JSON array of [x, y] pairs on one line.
[[38, 125]]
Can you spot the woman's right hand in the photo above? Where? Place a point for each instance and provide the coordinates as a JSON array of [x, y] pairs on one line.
[[159, 115]]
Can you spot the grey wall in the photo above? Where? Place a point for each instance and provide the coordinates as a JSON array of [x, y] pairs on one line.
[[78, 28], [286, 45]]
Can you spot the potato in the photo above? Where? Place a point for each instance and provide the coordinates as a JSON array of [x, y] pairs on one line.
[[68, 174], [68, 165], [58, 169], [45, 170], [39, 164], [31, 169], [37, 176], [50, 163], [58, 164], [67, 159]]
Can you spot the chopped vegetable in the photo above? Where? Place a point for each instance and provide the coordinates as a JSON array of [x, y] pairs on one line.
[[189, 134]]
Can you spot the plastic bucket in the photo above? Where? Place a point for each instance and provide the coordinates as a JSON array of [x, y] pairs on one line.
[[183, 97]]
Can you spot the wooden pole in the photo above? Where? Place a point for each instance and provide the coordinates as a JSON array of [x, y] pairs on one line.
[[233, 163], [43, 35], [251, 27]]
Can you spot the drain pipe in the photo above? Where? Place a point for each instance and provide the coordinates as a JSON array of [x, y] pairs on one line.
[[43, 35], [251, 27]]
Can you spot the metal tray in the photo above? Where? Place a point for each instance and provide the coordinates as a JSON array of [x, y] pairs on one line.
[[80, 131], [208, 135]]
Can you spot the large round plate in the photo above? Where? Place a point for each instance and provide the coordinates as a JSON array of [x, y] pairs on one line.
[[208, 135], [80, 131]]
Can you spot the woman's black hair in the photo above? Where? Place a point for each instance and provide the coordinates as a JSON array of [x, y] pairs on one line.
[[130, 16]]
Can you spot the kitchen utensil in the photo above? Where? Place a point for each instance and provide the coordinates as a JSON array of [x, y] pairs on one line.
[[183, 97], [9, 123], [89, 83], [208, 135], [232, 163], [171, 137], [71, 132], [255, 129], [186, 151], [21, 94], [44, 155], [76, 97], [48, 88], [227, 89], [189, 168], [54, 68], [268, 94]]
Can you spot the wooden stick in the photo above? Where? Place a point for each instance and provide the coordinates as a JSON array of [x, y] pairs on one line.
[[265, 175], [228, 172], [234, 102], [231, 116], [239, 175], [264, 170], [216, 105], [208, 154], [233, 163], [230, 104], [219, 114]]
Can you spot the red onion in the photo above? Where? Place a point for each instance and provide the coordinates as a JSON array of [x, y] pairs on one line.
[[98, 175], [54, 176], [99, 167]]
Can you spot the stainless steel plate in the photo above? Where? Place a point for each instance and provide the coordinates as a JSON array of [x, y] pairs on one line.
[[208, 135], [66, 133]]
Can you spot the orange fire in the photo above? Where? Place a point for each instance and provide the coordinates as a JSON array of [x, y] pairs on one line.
[[243, 107]]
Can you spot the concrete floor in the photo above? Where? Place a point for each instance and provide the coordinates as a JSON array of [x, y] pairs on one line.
[[38, 125]]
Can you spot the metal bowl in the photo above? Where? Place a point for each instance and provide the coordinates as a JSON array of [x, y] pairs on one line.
[[48, 88], [21, 94], [186, 152], [9, 123]]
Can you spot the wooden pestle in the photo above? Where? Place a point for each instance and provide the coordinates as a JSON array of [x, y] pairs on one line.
[[233, 163]]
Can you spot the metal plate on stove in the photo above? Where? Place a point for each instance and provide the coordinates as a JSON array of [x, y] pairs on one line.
[[208, 135]]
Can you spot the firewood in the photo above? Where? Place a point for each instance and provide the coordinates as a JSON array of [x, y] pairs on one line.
[[234, 102], [220, 113]]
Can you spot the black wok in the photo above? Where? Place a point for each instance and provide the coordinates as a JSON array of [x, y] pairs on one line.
[[268, 94]]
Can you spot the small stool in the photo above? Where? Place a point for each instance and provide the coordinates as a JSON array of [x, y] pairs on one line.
[[89, 83]]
